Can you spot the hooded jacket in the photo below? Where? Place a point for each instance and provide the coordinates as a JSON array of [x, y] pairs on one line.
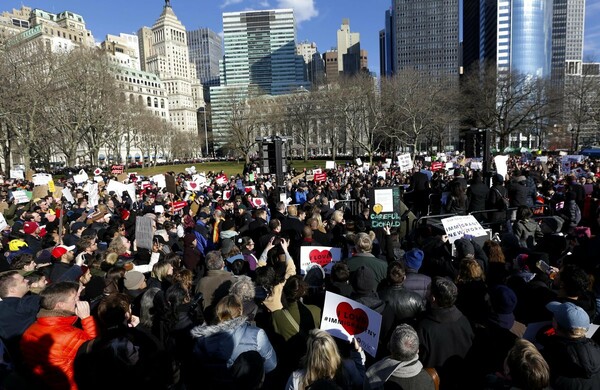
[[574, 363], [527, 232], [219, 345]]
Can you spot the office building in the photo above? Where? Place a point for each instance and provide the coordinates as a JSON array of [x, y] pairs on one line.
[[260, 59], [348, 49], [165, 53], [206, 50], [314, 66], [124, 49], [427, 36], [387, 45], [567, 39], [332, 74]]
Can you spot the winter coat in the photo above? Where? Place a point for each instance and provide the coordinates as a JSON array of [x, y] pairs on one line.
[[50, 345], [477, 194], [495, 201], [307, 317], [378, 266], [214, 286], [408, 375], [446, 337], [518, 194], [574, 363], [406, 304], [417, 282], [527, 232], [16, 315], [217, 346]]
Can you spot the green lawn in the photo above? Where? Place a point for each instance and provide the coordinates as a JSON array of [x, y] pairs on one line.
[[229, 167]]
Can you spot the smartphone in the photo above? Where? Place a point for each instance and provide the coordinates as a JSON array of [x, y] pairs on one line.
[[543, 266]]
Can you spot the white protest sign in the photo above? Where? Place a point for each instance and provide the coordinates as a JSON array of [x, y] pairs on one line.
[[476, 165], [381, 174], [501, 167], [329, 164], [80, 177], [366, 167], [200, 179], [66, 193], [98, 179], [3, 223], [405, 162], [346, 319], [358, 162], [93, 196], [20, 196], [449, 165], [542, 159], [41, 179], [459, 226], [388, 163], [159, 209], [17, 174], [565, 162], [130, 188], [325, 256], [159, 180]]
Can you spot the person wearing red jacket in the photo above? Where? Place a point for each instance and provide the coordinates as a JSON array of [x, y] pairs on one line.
[[50, 344]]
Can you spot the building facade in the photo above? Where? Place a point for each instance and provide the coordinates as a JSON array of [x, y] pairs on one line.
[[348, 49], [332, 74], [260, 59], [427, 36], [567, 39], [206, 50], [387, 46], [166, 55], [124, 49], [313, 62]]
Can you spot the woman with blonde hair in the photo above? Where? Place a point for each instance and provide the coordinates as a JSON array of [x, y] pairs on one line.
[[324, 362], [161, 274]]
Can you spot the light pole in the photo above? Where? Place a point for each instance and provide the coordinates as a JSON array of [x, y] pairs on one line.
[[205, 130]]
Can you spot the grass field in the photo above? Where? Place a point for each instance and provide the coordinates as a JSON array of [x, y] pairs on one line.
[[229, 167]]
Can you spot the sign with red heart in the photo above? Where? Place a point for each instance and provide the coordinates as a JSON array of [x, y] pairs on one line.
[[355, 321], [325, 256], [320, 257], [347, 319]]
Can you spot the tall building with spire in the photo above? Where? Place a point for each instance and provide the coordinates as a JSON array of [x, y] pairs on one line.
[[165, 53]]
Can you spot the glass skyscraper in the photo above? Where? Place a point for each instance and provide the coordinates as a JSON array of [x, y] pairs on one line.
[[206, 50], [531, 37]]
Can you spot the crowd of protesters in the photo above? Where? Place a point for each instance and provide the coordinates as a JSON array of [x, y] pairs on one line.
[[218, 299]]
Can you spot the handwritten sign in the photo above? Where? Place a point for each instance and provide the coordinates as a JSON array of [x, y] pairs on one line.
[[459, 226], [17, 174], [117, 169], [41, 179], [384, 205], [405, 162], [324, 256], [346, 319], [20, 196], [143, 232], [3, 223]]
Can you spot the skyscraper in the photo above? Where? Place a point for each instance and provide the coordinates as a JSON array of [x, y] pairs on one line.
[[567, 39], [315, 68], [206, 50], [387, 46], [166, 55], [427, 36], [260, 59], [348, 49]]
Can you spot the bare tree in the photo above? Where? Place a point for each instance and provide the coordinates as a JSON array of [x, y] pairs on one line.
[[581, 99], [505, 102], [241, 121]]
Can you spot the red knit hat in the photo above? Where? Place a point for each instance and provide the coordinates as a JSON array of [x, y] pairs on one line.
[[30, 227]]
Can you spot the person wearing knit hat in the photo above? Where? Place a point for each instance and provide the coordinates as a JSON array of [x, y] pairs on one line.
[[414, 281], [135, 283], [504, 302], [30, 227]]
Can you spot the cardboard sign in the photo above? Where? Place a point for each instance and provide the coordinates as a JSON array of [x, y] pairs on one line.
[[347, 319], [170, 184], [39, 192], [329, 164], [117, 169], [20, 196], [143, 232], [405, 162], [459, 226], [384, 206], [325, 256], [17, 174], [122, 177]]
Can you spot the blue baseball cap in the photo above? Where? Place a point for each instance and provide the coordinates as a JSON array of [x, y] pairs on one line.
[[569, 316]]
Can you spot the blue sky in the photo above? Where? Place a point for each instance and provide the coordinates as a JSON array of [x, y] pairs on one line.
[[318, 20]]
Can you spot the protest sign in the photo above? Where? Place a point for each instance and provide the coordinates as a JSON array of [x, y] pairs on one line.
[[66, 193], [384, 205], [436, 166], [51, 187], [20, 196], [459, 226], [39, 192], [358, 161], [476, 165], [320, 177], [324, 256], [501, 167], [3, 223], [170, 184], [346, 319], [566, 161], [41, 179], [81, 177], [159, 180], [93, 195], [405, 162], [366, 167], [199, 178], [117, 169], [542, 159], [381, 174], [17, 174], [143, 232], [329, 164], [159, 209]]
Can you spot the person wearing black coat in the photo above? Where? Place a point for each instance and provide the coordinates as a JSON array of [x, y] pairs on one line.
[[407, 305], [477, 194], [495, 200], [518, 192]]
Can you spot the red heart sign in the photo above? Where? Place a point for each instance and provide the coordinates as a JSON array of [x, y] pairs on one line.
[[354, 321], [320, 257], [193, 185]]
